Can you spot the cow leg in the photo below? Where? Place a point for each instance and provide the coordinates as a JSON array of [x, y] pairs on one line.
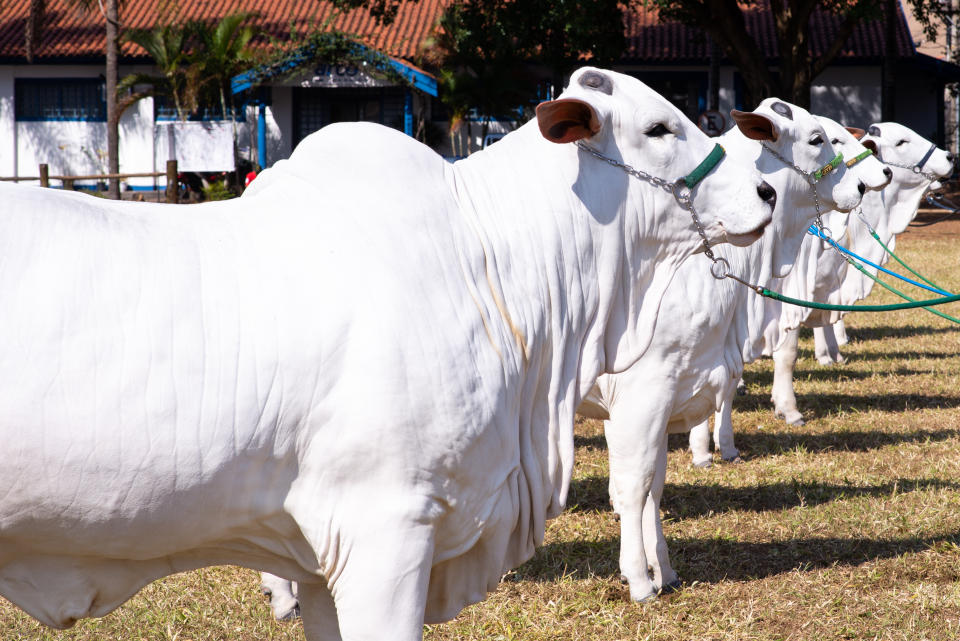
[[783, 396], [654, 542], [840, 331], [381, 593], [723, 429], [318, 612], [634, 450], [700, 445], [825, 346], [282, 600]]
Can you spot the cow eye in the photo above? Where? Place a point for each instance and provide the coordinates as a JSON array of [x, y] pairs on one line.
[[901, 142], [834, 141], [816, 140], [658, 130]]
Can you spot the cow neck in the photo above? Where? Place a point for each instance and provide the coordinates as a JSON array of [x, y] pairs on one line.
[[532, 189], [901, 206]]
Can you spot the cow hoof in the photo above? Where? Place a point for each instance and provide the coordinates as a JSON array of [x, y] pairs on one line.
[[648, 598], [825, 360], [291, 615], [741, 391], [703, 465], [796, 422], [670, 588], [736, 460]]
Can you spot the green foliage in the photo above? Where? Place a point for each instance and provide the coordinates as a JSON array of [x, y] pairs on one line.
[[196, 61], [723, 20], [490, 52], [217, 190], [321, 43]]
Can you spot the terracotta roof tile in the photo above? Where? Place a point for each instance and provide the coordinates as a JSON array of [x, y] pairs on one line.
[[77, 33], [649, 40]]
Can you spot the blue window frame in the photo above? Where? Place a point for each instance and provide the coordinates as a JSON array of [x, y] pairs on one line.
[[60, 99]]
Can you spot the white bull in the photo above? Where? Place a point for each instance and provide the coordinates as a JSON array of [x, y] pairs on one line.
[[874, 176], [888, 213], [361, 376], [707, 329], [825, 276]]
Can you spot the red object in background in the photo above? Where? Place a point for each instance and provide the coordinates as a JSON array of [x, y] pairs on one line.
[[250, 176]]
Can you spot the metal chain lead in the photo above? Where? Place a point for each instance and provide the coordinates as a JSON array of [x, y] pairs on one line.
[[810, 180], [678, 189]]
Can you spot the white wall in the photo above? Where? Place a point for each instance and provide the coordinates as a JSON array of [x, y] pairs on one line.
[[8, 137], [849, 95]]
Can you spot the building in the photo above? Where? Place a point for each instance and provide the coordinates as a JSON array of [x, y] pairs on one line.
[[674, 59], [53, 110]]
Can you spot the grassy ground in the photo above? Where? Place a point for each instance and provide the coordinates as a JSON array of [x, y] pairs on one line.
[[846, 528]]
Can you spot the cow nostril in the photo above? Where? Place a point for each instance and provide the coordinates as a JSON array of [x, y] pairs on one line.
[[888, 172], [767, 193], [950, 156], [862, 188]]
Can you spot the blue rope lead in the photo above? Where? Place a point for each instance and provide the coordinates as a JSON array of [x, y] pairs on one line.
[[814, 231]]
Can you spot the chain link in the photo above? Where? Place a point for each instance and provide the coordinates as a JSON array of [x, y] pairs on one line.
[[678, 189], [808, 177]]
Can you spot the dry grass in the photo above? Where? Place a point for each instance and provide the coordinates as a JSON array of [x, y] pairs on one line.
[[846, 528]]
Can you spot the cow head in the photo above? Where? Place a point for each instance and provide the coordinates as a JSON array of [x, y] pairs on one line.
[[792, 135], [623, 119], [867, 168], [902, 149]]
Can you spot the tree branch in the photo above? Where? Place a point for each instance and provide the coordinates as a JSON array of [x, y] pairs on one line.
[[846, 28]]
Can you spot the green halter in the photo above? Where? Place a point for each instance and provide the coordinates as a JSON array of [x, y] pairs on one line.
[[704, 167], [853, 161], [830, 166]]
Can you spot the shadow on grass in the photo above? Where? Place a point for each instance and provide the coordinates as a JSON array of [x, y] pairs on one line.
[[818, 405], [907, 331], [831, 373], [716, 560], [753, 443], [687, 501]]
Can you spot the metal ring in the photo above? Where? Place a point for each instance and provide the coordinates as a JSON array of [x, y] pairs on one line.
[[720, 268], [826, 233], [681, 192], [916, 169]]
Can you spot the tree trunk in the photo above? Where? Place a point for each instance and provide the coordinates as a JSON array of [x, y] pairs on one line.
[[888, 94], [113, 114]]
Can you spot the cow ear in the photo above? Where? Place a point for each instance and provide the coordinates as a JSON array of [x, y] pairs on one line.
[[754, 126], [870, 144], [857, 132], [567, 120]]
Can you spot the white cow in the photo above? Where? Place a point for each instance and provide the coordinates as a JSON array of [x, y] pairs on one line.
[[708, 328], [826, 277], [874, 176], [361, 376], [888, 213]]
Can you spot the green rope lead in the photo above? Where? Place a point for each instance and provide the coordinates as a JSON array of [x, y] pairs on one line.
[[896, 291], [906, 266], [763, 291]]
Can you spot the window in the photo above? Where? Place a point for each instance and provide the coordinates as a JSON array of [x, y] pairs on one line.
[[316, 107], [60, 99]]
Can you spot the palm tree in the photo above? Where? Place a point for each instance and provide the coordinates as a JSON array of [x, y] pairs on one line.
[[223, 52], [179, 77]]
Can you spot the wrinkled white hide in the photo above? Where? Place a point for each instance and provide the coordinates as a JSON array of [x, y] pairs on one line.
[[706, 330], [823, 275], [360, 376]]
